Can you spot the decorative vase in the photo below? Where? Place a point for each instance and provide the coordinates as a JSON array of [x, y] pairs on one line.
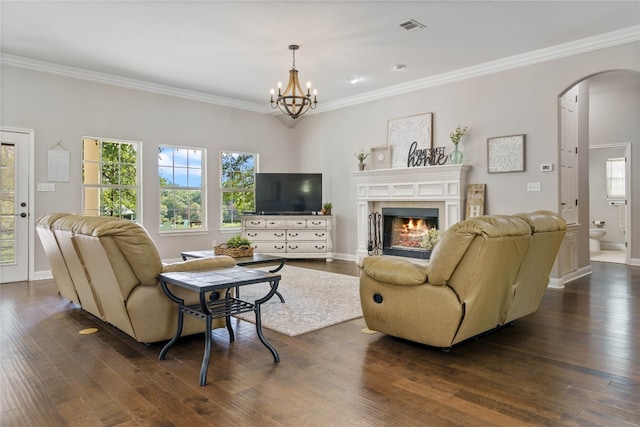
[[361, 166], [456, 156]]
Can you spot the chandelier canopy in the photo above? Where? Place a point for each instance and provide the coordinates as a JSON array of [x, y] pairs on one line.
[[293, 102]]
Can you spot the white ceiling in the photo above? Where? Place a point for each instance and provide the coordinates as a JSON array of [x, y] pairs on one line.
[[236, 51]]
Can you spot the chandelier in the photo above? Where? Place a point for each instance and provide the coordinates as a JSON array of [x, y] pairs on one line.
[[293, 102]]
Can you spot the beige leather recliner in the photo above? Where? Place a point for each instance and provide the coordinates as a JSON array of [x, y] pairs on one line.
[[109, 266], [484, 272]]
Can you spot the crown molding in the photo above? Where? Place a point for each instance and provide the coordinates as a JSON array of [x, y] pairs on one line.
[[110, 79], [614, 38]]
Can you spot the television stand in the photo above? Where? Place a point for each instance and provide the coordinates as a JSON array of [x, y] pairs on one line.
[[290, 236]]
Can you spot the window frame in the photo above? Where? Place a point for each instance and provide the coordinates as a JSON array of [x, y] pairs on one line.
[[138, 166], [615, 176], [202, 188], [256, 161]]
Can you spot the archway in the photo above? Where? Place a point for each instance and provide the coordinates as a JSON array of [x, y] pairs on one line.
[[612, 103]]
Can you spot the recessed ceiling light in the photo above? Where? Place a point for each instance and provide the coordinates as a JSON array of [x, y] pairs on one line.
[[354, 79], [399, 67]]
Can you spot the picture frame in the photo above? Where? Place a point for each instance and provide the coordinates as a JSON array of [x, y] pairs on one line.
[[403, 132], [506, 154], [380, 157]]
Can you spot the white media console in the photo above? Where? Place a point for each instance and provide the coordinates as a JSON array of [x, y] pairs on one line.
[[290, 236]]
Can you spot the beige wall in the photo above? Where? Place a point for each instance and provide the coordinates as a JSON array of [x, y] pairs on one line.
[[65, 109], [523, 100]]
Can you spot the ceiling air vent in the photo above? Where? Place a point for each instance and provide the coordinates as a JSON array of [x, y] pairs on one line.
[[411, 24]]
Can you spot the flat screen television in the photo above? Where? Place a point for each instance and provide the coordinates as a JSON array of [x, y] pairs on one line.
[[288, 193]]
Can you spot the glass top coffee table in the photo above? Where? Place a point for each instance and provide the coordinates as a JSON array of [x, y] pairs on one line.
[[248, 261]]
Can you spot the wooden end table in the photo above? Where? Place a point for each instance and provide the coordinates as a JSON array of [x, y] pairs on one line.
[[222, 279]]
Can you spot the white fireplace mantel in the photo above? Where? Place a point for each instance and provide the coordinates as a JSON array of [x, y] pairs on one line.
[[444, 184]]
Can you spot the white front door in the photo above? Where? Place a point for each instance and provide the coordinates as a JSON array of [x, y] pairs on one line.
[[14, 205]]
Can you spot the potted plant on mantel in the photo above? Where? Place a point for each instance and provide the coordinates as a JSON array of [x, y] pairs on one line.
[[326, 208], [361, 156]]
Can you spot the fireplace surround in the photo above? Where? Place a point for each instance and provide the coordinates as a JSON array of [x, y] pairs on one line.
[[441, 187]]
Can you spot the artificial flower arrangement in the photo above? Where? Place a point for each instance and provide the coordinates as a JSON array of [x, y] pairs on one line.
[[457, 134], [430, 239]]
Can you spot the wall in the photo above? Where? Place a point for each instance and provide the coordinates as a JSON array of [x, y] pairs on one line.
[[60, 108], [519, 101], [523, 100]]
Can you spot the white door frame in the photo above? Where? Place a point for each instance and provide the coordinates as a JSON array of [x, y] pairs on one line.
[[628, 188], [31, 193]]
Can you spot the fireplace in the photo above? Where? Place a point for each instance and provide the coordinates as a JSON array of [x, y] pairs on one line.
[[440, 187], [404, 228]]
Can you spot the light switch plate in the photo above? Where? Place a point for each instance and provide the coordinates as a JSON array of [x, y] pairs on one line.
[[546, 167]]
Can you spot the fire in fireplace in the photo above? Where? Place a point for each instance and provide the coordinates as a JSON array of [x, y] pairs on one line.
[[404, 228]]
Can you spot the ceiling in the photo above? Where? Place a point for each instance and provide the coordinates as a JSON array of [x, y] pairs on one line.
[[234, 52]]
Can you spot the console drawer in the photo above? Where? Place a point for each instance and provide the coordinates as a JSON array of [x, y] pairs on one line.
[[306, 247], [296, 235], [269, 247], [257, 235]]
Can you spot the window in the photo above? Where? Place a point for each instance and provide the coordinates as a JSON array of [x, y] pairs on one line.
[[110, 178], [181, 176], [237, 184], [615, 175]]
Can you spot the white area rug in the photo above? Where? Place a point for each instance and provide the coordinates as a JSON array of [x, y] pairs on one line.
[[314, 300]]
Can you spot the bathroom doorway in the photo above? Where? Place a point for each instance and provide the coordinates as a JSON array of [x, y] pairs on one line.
[[609, 187], [608, 106]]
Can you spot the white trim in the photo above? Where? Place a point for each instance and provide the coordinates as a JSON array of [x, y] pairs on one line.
[[614, 38], [31, 196], [110, 79], [42, 275], [575, 275]]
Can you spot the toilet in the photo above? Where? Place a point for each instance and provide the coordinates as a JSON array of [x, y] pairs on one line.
[[595, 234]]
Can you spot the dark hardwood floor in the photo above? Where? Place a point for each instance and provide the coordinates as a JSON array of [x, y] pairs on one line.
[[575, 362]]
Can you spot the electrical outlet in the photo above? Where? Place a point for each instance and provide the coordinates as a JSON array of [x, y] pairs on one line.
[[533, 186]]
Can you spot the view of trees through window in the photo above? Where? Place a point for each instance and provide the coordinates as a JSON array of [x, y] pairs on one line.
[[110, 178], [180, 171], [237, 182]]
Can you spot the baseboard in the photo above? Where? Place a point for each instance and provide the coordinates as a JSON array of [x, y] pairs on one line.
[[634, 261], [576, 274], [556, 283], [42, 275], [613, 246], [345, 257]]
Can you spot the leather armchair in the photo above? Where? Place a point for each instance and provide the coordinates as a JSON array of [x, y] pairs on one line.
[[484, 272]]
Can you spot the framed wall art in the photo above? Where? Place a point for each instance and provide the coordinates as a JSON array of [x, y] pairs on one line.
[[505, 154], [380, 157], [403, 132]]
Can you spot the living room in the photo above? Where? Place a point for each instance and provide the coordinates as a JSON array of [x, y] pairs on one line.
[[519, 96], [517, 99]]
